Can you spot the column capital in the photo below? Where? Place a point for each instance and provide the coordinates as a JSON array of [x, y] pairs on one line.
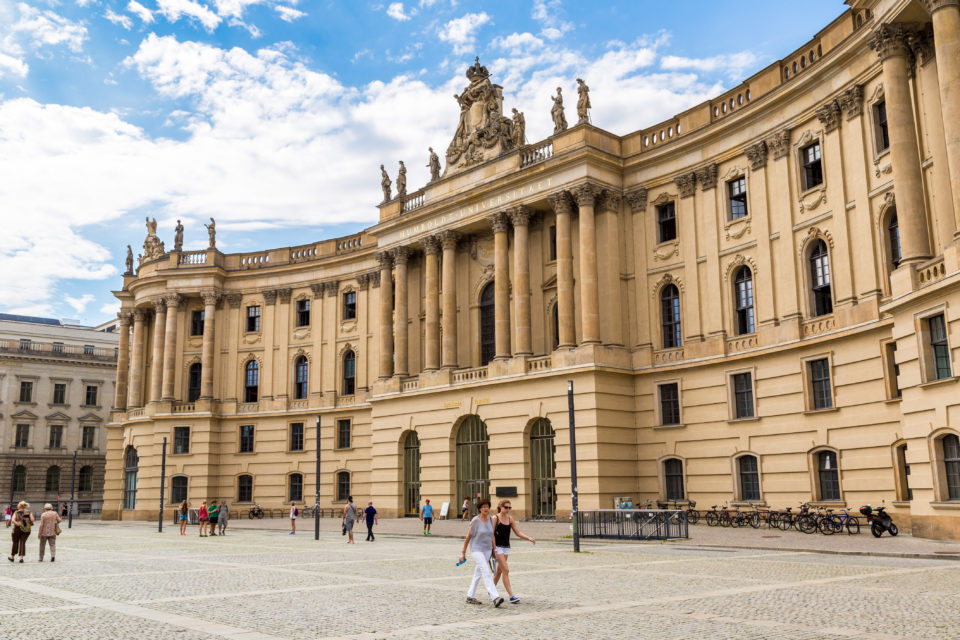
[[124, 318], [449, 239], [520, 216], [385, 259], [779, 143], [686, 183], [269, 296], [331, 287], [561, 202], [284, 294], [585, 194], [374, 278], [707, 176], [921, 43], [499, 222], [173, 300], [829, 115], [936, 5], [889, 40], [210, 297], [757, 155], [610, 201], [637, 199], [233, 299], [400, 255], [851, 101], [430, 245], [317, 288], [139, 315], [159, 305]]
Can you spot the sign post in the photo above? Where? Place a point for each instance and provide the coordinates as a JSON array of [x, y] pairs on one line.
[[573, 466], [316, 504], [163, 482]]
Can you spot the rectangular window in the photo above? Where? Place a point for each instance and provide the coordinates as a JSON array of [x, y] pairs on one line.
[[91, 395], [246, 438], [350, 305], [88, 349], [343, 485], [812, 166], [673, 478], [26, 391], [553, 241], [343, 433], [820, 383], [749, 478], [59, 393], [892, 369], [666, 222], [245, 489], [880, 119], [57, 347], [24, 344], [22, 440], [196, 323], [669, 403], [296, 487], [303, 313], [178, 490], [743, 395], [181, 439], [938, 346], [56, 436], [296, 436], [89, 440], [737, 189], [253, 319]]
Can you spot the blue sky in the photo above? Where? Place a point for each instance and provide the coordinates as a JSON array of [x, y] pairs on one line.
[[273, 115]]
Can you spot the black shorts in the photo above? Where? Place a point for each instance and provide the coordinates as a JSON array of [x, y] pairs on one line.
[[427, 520], [213, 520]]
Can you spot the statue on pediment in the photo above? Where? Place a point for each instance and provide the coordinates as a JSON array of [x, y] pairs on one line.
[[519, 128], [583, 102], [402, 181], [178, 237], [212, 233], [152, 247], [385, 184], [556, 112], [129, 271], [483, 132], [434, 165]]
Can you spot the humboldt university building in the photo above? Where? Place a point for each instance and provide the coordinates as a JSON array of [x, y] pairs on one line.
[[756, 301]]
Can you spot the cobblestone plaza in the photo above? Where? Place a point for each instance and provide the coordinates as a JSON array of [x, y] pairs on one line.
[[128, 581]]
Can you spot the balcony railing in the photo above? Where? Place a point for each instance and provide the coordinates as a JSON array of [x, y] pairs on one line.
[[184, 407], [58, 350], [468, 375], [534, 154], [192, 257]]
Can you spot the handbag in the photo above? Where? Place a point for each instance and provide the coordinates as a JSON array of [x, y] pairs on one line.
[[58, 530], [343, 531]]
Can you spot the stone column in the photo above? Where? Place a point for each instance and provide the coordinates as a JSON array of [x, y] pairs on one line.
[[946, 40], [431, 250], [585, 195], [608, 267], [889, 40], [136, 366], [386, 314], [206, 355], [170, 347], [156, 362], [501, 284], [520, 218], [123, 361], [401, 340], [449, 241], [567, 333]]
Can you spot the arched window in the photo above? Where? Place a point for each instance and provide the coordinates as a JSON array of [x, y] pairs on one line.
[[829, 475], [251, 382], [131, 464], [893, 239], [743, 294], [53, 479], [296, 487], [820, 279], [300, 369], [349, 373], [488, 335], [19, 479], [673, 478], [411, 474], [178, 489], [85, 479], [670, 316], [193, 387], [245, 488], [473, 460], [343, 485], [951, 465], [749, 476]]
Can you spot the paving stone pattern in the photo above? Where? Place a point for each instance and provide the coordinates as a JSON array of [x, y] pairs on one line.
[[128, 581]]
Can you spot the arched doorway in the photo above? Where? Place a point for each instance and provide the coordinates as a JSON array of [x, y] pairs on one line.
[[543, 469], [411, 474], [488, 336], [473, 461], [131, 464]]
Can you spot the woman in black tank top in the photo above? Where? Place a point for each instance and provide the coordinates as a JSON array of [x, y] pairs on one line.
[[502, 525]]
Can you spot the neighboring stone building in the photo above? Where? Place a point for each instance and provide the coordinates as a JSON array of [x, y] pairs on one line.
[[56, 388], [756, 301]]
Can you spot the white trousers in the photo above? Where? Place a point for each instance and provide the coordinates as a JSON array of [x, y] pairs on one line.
[[480, 558]]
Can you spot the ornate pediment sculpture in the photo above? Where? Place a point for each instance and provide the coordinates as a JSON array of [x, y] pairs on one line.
[[152, 246], [483, 132]]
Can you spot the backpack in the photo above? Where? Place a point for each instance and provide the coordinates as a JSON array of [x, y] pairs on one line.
[[296, 512], [25, 523]]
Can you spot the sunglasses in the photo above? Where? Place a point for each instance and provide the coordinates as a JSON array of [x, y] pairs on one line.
[[506, 507]]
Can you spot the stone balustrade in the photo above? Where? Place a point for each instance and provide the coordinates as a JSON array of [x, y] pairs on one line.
[[536, 153], [931, 272], [414, 201], [192, 257], [59, 350]]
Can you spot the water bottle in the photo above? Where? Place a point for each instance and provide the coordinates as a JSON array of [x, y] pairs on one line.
[[461, 561]]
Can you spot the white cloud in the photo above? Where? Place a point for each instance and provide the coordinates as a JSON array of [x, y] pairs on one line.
[[118, 19], [141, 11], [173, 10], [548, 13], [84, 3], [42, 28], [110, 308], [734, 64], [395, 11], [10, 65], [289, 14], [462, 32], [79, 304], [517, 43]]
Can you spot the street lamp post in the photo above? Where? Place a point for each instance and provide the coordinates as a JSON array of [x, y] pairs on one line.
[[316, 504], [573, 466], [163, 482]]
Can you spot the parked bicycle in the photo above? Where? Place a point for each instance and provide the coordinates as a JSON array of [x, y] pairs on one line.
[[255, 512]]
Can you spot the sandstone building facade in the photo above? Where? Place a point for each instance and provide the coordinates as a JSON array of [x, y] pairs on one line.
[[756, 301]]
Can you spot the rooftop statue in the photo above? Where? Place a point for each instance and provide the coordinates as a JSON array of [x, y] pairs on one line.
[[519, 129], [152, 247], [482, 133], [385, 184], [583, 102], [402, 181], [129, 271], [212, 233], [178, 237], [434, 165], [559, 120]]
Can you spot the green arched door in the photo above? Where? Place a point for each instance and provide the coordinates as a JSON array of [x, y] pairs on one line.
[[473, 462], [543, 469], [411, 474]]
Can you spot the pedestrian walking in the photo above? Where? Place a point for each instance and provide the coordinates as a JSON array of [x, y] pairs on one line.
[[21, 521], [203, 516], [63, 510], [184, 511], [371, 515], [480, 540], [503, 523], [465, 510], [8, 515], [294, 512], [213, 514], [426, 514], [349, 517], [224, 517], [49, 530]]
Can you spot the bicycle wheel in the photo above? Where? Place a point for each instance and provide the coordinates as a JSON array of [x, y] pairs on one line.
[[712, 518], [725, 519], [754, 520], [853, 526], [773, 520], [827, 526], [786, 521], [807, 524], [693, 516]]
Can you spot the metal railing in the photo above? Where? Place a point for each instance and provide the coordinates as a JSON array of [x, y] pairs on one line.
[[59, 350], [633, 524]]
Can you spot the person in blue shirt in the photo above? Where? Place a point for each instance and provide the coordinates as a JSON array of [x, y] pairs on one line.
[[371, 515], [426, 514]]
